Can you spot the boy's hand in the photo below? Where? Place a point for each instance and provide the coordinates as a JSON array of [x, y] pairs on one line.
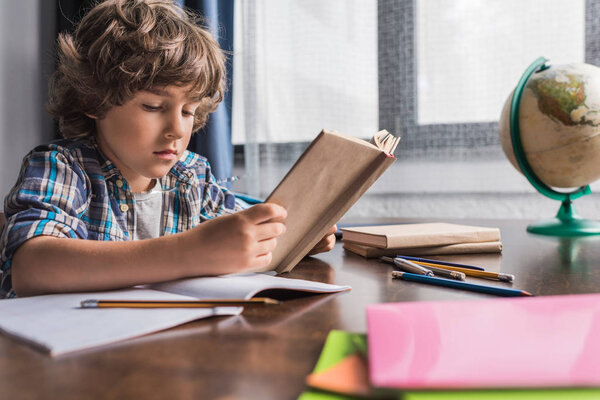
[[237, 242], [325, 244]]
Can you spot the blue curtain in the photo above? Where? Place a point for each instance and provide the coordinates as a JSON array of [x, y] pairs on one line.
[[214, 140]]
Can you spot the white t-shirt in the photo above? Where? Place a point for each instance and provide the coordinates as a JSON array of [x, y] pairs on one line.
[[148, 212]]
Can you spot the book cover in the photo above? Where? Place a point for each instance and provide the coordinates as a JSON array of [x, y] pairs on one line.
[[536, 342], [329, 177], [419, 235]]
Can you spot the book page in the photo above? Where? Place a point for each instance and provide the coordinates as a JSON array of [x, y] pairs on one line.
[[242, 286], [385, 141], [57, 324]]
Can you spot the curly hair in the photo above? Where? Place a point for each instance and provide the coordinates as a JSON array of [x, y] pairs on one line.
[[123, 46]]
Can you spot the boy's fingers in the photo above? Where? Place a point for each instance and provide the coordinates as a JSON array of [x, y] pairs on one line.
[[262, 260], [266, 246], [324, 245], [265, 212], [269, 230]]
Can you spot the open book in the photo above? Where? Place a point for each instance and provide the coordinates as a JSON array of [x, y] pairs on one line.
[[57, 324], [329, 177]]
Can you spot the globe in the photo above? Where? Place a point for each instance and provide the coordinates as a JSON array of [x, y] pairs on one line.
[[550, 131]]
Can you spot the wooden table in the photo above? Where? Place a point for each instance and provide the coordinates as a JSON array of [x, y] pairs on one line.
[[266, 353]]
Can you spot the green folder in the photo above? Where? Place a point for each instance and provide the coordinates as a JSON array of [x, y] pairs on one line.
[[340, 344], [525, 394]]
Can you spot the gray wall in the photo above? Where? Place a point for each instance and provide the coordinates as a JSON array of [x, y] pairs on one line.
[[26, 37]]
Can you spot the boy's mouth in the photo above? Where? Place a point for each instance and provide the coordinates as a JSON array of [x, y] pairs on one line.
[[166, 154]]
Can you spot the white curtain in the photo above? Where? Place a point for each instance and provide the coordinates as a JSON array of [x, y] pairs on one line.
[[304, 65], [299, 67]]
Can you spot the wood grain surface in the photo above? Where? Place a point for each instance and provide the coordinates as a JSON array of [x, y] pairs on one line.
[[267, 352]]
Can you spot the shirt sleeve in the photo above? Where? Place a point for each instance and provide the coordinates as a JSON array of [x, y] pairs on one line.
[[49, 198]]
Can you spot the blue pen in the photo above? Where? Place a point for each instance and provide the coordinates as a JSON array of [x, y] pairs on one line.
[[451, 264], [430, 280]]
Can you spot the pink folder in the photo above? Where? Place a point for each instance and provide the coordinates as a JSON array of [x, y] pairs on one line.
[[551, 341]]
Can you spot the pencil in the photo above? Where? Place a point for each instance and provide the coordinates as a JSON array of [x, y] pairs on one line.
[[450, 264], [92, 303], [471, 272], [430, 280]]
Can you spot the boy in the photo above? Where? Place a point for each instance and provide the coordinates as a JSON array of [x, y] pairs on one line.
[[132, 84]]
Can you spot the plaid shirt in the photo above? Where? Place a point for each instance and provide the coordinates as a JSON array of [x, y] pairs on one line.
[[69, 189]]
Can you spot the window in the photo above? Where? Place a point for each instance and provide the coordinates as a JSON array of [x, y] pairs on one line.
[[470, 54], [443, 71]]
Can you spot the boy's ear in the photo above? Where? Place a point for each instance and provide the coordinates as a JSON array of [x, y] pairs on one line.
[[91, 116]]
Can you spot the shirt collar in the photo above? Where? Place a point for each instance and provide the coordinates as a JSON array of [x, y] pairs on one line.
[[179, 172]]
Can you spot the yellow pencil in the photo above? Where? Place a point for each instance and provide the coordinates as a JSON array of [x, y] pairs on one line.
[[92, 303], [472, 272]]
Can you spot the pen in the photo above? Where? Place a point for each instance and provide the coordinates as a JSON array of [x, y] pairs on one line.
[[230, 179], [206, 184], [408, 266], [471, 272], [93, 303], [451, 264], [430, 280], [444, 273]]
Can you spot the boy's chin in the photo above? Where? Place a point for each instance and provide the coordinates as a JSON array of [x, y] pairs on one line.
[[157, 173]]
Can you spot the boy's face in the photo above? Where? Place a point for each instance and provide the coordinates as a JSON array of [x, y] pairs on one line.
[[148, 134]]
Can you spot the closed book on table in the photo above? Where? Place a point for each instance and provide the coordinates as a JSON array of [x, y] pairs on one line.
[[329, 177], [458, 248], [419, 235]]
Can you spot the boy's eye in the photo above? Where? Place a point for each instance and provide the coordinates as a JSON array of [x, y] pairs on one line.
[[151, 108], [188, 113]]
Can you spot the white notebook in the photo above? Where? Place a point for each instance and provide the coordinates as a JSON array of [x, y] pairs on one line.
[[57, 324]]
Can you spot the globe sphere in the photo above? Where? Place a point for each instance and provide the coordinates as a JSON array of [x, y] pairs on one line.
[[559, 123]]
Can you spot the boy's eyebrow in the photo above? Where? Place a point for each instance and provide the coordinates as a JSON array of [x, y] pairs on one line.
[[164, 92]]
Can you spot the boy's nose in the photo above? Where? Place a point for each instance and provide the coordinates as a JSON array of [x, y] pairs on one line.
[[176, 128]]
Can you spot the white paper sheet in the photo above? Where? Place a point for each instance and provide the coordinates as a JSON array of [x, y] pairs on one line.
[[57, 324]]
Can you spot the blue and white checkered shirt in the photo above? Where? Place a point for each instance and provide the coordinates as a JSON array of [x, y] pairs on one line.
[[69, 189]]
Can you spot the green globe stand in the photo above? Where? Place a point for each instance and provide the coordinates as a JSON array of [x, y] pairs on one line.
[[567, 222]]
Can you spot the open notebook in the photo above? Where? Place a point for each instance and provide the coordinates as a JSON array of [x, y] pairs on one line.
[[56, 324]]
